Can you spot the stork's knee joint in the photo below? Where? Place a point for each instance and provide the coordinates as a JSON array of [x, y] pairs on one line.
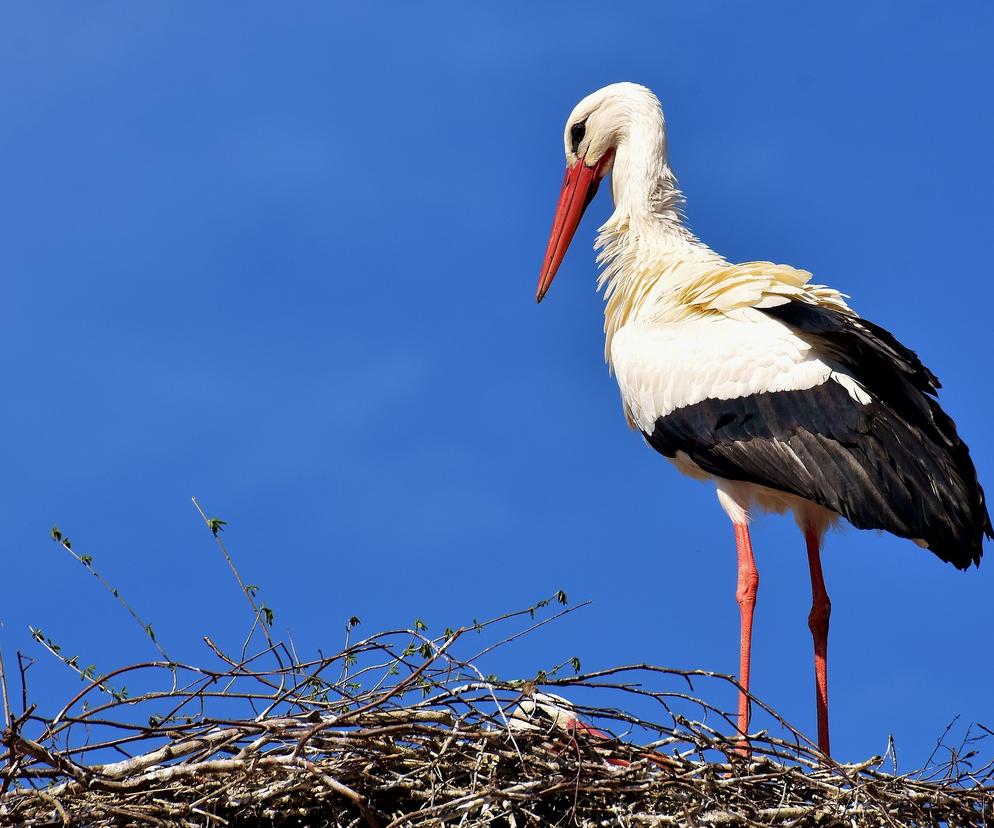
[[748, 587], [818, 617]]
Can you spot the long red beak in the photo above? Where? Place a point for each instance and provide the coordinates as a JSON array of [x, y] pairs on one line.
[[579, 187]]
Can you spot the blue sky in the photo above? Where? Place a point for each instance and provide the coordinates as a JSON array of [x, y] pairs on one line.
[[286, 263]]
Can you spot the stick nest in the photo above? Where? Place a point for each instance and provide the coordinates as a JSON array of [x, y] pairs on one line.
[[403, 728]]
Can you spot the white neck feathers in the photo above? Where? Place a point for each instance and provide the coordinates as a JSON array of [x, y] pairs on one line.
[[645, 238]]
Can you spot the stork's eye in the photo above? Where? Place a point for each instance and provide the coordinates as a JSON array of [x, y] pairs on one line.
[[576, 133]]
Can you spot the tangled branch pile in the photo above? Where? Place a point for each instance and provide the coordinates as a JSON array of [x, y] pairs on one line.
[[408, 734], [404, 728]]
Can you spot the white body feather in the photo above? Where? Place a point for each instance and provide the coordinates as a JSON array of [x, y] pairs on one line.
[[664, 366]]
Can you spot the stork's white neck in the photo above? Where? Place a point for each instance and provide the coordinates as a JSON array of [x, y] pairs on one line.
[[645, 240]]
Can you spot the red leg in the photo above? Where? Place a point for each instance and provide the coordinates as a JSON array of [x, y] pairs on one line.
[[821, 610], [748, 584]]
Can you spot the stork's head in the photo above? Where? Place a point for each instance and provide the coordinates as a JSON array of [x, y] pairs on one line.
[[596, 128]]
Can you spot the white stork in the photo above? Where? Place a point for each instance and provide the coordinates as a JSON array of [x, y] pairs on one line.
[[751, 376]]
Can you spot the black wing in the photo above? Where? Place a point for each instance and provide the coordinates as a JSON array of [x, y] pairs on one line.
[[895, 463]]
